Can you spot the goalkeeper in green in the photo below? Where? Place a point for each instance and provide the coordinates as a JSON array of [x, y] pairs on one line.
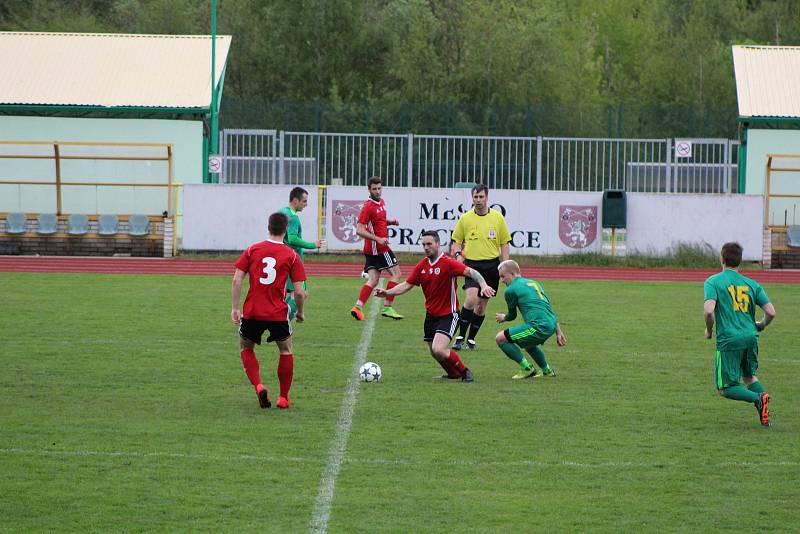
[[540, 321], [298, 200]]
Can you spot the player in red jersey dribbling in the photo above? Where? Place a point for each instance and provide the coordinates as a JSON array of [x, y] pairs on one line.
[[437, 274]]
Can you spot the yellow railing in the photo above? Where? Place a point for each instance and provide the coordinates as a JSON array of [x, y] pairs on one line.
[[58, 157]]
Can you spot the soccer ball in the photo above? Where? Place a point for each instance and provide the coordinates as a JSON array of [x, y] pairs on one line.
[[370, 372]]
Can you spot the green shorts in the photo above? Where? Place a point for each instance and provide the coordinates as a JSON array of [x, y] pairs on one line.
[[526, 335], [731, 365]]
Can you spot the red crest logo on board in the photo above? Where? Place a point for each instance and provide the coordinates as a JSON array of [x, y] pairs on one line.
[[345, 220], [577, 225]]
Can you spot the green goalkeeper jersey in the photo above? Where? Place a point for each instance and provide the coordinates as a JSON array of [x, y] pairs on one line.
[[735, 313], [294, 233], [533, 304]]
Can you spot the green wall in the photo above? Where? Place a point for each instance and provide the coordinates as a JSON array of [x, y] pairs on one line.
[[186, 137], [760, 143]]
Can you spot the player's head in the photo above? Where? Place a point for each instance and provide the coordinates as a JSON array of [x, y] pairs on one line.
[[731, 254], [508, 271], [277, 224], [480, 197], [298, 198], [430, 243], [375, 186]]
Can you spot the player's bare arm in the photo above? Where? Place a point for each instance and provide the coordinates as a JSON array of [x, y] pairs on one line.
[[236, 296], [361, 230], [769, 315], [392, 222], [399, 289], [561, 339], [457, 251], [708, 314], [300, 297], [486, 290], [500, 317], [505, 251]]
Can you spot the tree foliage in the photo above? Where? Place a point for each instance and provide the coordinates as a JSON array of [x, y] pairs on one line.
[[529, 67]]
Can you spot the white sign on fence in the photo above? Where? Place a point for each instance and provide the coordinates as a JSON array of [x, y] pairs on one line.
[[683, 148]]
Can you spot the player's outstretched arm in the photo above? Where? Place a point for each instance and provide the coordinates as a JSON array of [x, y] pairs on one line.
[[236, 296], [399, 289], [486, 290], [769, 315], [708, 315]]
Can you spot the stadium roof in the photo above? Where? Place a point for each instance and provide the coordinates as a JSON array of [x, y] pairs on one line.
[[767, 80], [109, 70]]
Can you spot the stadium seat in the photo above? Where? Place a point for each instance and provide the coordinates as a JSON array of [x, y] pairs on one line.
[[16, 223], [464, 185], [108, 225], [793, 236], [138, 225], [78, 224], [48, 224]]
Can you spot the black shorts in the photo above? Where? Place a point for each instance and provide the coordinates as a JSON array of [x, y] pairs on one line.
[[488, 269], [446, 324], [381, 262], [251, 329]]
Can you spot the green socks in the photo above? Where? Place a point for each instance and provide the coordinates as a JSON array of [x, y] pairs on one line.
[[740, 393], [513, 352], [756, 387], [538, 356]]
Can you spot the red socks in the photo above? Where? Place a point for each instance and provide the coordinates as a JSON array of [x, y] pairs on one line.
[[389, 298], [448, 366], [250, 363], [363, 295], [456, 362], [285, 373]]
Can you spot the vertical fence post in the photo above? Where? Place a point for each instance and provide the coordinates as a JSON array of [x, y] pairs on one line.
[[410, 161], [282, 169], [221, 149], [58, 178], [727, 158], [668, 183], [539, 163]]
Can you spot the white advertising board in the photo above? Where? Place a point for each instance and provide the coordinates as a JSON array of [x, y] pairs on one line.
[[540, 222], [233, 217]]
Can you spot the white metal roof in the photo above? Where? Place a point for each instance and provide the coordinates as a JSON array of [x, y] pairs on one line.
[[84, 69], [767, 80]]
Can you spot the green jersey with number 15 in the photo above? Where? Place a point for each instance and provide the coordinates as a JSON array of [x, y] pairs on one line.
[[735, 314]]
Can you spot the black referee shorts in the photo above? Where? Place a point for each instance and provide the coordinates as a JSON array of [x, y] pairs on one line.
[[488, 269]]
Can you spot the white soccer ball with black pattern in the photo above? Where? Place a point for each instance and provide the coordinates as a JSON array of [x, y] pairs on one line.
[[370, 372]]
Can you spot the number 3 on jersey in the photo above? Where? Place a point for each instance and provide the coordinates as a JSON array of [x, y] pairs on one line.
[[741, 300], [269, 270]]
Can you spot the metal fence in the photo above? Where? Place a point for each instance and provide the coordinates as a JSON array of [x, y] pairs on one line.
[[543, 163]]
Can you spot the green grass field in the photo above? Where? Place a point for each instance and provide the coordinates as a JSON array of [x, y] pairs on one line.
[[124, 408]]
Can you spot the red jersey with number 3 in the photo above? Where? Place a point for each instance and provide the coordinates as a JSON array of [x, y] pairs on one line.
[[373, 216], [438, 282], [269, 264]]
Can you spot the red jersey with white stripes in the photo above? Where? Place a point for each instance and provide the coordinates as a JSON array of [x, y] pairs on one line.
[[269, 264], [437, 279], [373, 216]]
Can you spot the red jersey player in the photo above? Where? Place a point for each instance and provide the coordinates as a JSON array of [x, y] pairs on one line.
[[373, 227], [437, 275], [268, 264]]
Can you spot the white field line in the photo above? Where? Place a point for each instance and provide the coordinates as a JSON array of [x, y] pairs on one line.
[[386, 461], [322, 505]]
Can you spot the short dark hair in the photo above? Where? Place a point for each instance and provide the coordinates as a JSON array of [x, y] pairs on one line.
[[297, 193], [731, 254], [432, 233], [278, 222], [480, 187], [374, 180]]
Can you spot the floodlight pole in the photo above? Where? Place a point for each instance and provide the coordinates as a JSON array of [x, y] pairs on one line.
[[213, 133]]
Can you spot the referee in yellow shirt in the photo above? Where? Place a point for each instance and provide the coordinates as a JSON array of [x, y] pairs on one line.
[[480, 240]]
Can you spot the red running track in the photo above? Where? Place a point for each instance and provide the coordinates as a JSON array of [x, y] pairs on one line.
[[110, 265]]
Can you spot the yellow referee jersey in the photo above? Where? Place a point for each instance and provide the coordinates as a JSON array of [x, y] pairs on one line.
[[482, 235]]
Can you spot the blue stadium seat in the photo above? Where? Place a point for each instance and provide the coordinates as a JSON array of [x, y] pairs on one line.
[[48, 224], [138, 225], [16, 223], [465, 185], [78, 224], [793, 236], [108, 225]]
